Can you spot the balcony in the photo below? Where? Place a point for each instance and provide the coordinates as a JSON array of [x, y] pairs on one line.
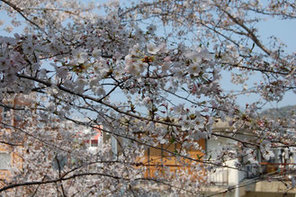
[[277, 170], [218, 176]]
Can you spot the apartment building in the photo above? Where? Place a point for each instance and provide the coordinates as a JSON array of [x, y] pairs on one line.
[[263, 178], [10, 143], [222, 181]]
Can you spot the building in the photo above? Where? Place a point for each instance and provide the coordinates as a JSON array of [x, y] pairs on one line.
[[270, 178], [221, 181], [10, 143], [262, 178]]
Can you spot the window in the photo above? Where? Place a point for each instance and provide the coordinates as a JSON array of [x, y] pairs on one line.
[[6, 116], [5, 160], [19, 117], [96, 139], [59, 161], [94, 143]]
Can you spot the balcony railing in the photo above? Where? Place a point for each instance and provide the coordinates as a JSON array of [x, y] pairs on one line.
[[281, 169], [218, 176]]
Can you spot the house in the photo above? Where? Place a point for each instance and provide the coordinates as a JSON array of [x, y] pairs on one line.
[[11, 121], [165, 157], [96, 139], [261, 178], [159, 160]]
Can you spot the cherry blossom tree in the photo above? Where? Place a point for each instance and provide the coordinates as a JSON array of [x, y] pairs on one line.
[[150, 74]]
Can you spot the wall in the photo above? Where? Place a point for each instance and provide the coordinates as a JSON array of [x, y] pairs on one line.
[[13, 118], [157, 160]]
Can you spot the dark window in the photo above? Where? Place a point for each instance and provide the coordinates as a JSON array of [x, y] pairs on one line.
[[6, 116], [94, 143]]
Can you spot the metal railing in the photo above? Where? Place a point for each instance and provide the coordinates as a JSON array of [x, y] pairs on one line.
[[281, 169], [218, 176]]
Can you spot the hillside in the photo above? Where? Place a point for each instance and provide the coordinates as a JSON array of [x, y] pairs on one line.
[[282, 112]]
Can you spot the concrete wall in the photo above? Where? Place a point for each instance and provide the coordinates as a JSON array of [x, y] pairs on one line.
[[215, 148], [267, 194]]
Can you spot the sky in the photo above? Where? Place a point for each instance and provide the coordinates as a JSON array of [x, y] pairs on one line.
[[284, 30]]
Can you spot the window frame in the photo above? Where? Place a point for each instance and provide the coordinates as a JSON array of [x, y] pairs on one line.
[[10, 160], [6, 116]]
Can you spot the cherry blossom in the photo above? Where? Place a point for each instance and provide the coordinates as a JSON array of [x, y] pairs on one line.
[[149, 75]]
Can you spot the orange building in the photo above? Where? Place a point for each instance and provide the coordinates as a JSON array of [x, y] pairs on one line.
[[163, 159], [11, 120], [157, 161]]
